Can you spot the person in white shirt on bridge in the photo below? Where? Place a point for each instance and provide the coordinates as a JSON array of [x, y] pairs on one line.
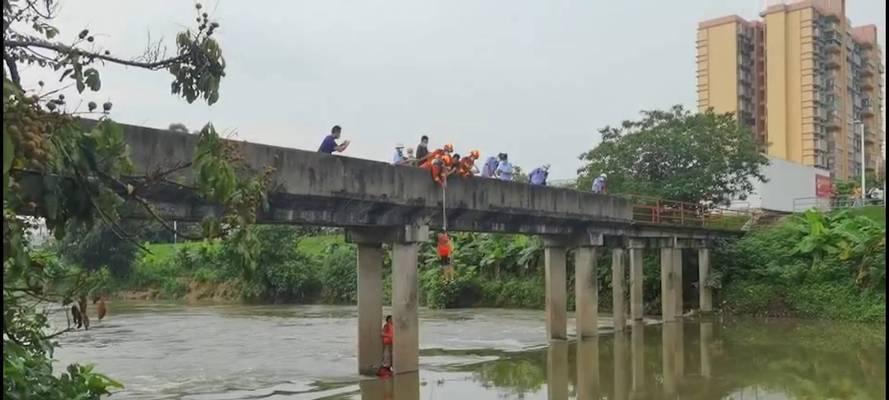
[[600, 184]]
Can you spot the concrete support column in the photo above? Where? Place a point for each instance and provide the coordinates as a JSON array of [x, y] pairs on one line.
[[557, 371], [406, 346], [636, 280], [556, 293], [618, 289], [370, 307], [668, 302], [677, 281], [587, 361], [705, 293], [586, 291]]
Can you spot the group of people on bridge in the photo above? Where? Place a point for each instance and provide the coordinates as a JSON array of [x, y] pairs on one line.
[[444, 161]]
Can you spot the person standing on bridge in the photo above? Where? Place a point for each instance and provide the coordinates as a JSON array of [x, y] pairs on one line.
[[504, 168], [538, 175], [489, 167], [422, 148], [329, 144], [600, 184], [399, 157]]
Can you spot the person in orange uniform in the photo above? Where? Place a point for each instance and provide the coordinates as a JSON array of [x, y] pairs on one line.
[[466, 167], [388, 337], [445, 150], [444, 256]]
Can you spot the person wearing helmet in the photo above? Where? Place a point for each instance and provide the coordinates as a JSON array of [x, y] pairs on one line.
[[398, 158], [439, 167], [599, 184], [538, 175], [446, 150], [467, 167], [445, 248]]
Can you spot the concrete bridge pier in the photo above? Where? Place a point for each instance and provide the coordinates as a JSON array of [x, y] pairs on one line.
[[618, 289], [556, 289], [636, 248], [405, 243], [705, 293], [370, 306], [586, 286], [406, 346], [668, 284]]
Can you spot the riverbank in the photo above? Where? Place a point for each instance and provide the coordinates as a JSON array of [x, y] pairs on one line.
[[810, 266]]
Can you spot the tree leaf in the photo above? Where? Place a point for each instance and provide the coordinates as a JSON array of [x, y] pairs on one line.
[[91, 78]]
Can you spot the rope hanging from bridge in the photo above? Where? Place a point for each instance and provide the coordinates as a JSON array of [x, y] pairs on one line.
[[444, 209]]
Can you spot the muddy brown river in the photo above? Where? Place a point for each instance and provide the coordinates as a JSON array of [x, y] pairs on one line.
[[213, 352]]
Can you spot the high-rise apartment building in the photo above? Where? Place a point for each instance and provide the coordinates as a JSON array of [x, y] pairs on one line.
[[806, 82]]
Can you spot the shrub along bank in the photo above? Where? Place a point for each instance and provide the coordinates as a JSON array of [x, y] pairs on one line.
[[812, 265], [815, 265]]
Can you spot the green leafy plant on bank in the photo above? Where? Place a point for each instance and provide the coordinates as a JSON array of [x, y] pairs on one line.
[[813, 265]]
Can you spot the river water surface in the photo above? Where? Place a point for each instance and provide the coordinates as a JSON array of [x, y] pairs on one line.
[[170, 351]]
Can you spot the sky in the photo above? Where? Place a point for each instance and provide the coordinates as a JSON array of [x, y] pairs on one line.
[[535, 79]]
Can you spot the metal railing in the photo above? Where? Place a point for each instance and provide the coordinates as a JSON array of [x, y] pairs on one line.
[[669, 212]]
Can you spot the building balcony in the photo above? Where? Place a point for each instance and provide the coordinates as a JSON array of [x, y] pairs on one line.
[[867, 109], [866, 84], [833, 121], [832, 63], [869, 137], [867, 69]]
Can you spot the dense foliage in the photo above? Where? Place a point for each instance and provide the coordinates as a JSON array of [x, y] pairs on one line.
[[74, 178], [813, 265], [677, 155]]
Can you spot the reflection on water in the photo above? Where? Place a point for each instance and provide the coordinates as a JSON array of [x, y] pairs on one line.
[[289, 352]]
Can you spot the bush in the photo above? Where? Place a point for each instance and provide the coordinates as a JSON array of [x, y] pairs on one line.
[[339, 274], [814, 265]]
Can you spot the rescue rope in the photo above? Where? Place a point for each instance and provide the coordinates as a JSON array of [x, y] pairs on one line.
[[444, 207]]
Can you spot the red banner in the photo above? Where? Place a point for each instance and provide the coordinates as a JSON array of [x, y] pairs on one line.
[[823, 186]]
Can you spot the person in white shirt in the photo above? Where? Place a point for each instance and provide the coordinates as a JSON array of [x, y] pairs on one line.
[[398, 158]]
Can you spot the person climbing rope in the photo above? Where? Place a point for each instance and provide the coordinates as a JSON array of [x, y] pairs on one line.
[[444, 256]]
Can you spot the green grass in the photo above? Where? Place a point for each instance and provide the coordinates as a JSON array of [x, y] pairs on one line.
[[314, 246], [166, 251], [875, 213]]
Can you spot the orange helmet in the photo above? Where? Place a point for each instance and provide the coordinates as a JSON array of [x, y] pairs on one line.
[[474, 154], [449, 148]]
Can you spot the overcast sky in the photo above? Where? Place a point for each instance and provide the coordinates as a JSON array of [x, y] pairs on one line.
[[535, 79]]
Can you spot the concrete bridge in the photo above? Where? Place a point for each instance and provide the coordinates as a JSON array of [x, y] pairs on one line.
[[379, 203]]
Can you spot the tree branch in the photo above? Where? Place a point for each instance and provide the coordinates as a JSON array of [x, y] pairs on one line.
[[60, 48], [13, 71]]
